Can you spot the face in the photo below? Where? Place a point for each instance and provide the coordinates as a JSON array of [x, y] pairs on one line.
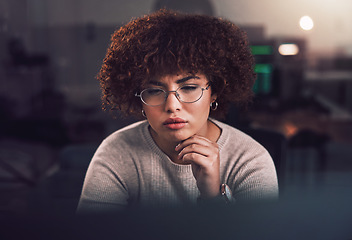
[[174, 120]]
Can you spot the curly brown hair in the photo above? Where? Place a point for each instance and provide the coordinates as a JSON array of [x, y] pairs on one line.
[[168, 42]]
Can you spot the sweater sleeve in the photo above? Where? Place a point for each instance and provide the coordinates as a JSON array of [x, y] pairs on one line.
[[256, 178], [105, 188], [247, 167]]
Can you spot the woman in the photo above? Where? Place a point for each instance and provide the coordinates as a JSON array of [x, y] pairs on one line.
[[177, 70]]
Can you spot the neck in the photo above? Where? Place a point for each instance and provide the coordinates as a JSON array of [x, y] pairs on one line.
[[166, 146]]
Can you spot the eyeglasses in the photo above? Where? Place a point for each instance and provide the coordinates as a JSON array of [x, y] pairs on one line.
[[157, 96]]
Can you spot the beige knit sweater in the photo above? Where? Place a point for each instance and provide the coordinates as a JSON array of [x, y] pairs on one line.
[[128, 169]]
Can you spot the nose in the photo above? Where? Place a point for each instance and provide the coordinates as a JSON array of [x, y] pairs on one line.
[[172, 104]]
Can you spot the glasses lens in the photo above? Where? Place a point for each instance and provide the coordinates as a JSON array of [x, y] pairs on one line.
[[190, 93], [153, 96]]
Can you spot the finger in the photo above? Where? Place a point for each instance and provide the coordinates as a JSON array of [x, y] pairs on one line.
[[201, 156], [196, 148], [196, 158], [194, 139], [202, 165]]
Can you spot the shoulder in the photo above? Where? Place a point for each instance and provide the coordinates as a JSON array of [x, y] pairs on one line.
[[127, 141], [241, 150], [130, 134], [128, 130], [234, 139]]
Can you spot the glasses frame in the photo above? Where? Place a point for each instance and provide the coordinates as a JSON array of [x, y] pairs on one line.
[[167, 94]]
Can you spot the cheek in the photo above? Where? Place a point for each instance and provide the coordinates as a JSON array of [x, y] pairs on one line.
[[200, 108], [151, 113], [205, 104]]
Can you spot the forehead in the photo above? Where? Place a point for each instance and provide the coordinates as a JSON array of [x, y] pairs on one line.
[[178, 79]]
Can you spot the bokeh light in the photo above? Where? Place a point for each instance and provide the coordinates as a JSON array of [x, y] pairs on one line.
[[306, 23], [288, 49]]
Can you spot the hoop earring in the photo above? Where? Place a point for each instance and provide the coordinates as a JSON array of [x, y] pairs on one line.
[[214, 105], [143, 113]]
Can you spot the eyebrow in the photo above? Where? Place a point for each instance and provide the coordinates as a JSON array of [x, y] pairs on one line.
[[179, 81]]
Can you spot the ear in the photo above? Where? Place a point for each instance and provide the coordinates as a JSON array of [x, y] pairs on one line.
[[214, 97]]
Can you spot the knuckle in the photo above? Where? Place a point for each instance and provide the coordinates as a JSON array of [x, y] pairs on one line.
[[216, 148], [193, 155], [217, 151], [215, 145], [190, 156]]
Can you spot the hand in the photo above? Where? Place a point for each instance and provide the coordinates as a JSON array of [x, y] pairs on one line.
[[204, 157]]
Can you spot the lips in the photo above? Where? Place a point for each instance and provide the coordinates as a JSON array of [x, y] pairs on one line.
[[175, 123]]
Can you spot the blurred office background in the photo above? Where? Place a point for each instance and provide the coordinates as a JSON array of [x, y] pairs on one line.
[[50, 114]]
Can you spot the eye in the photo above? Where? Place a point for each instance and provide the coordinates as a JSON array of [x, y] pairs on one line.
[[153, 91], [189, 88]]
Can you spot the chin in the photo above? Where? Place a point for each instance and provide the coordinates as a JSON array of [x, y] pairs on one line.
[[178, 137]]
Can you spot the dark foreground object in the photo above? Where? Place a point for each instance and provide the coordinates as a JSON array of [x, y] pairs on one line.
[[316, 217]]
